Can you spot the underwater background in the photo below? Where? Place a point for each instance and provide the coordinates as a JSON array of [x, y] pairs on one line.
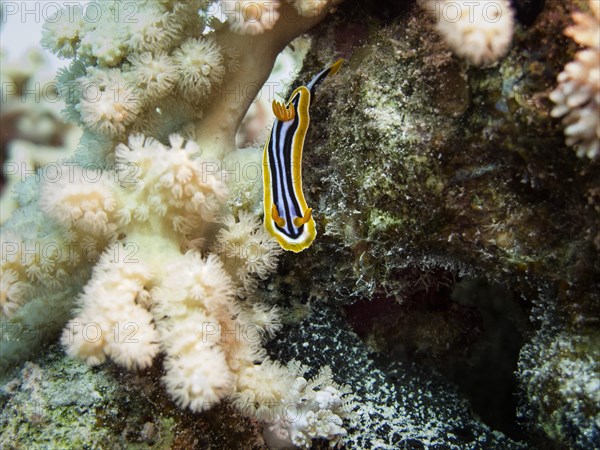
[[450, 298]]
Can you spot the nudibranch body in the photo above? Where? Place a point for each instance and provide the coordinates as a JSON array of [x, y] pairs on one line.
[[287, 216]]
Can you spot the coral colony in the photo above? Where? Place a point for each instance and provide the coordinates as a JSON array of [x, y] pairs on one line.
[[482, 38], [577, 96], [147, 230], [145, 222]]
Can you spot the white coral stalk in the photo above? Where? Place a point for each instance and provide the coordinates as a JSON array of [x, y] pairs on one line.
[[480, 32], [308, 8], [250, 17], [577, 96]]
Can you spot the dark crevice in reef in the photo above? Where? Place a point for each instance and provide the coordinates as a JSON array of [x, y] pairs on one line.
[[528, 10], [487, 376], [386, 11], [469, 331]]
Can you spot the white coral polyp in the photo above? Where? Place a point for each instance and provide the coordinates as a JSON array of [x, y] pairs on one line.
[[238, 230], [200, 66], [200, 378], [261, 319], [12, 292], [156, 74], [80, 198], [201, 284], [262, 387], [61, 32], [209, 283], [111, 322], [153, 29], [311, 409], [171, 182], [110, 112], [247, 249], [577, 96], [480, 32], [193, 304], [83, 339], [109, 100], [105, 43], [250, 17]]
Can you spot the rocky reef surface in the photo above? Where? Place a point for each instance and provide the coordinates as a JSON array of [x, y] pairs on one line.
[[426, 173], [58, 402]]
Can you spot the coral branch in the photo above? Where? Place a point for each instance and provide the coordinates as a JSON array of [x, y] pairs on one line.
[[256, 56]]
